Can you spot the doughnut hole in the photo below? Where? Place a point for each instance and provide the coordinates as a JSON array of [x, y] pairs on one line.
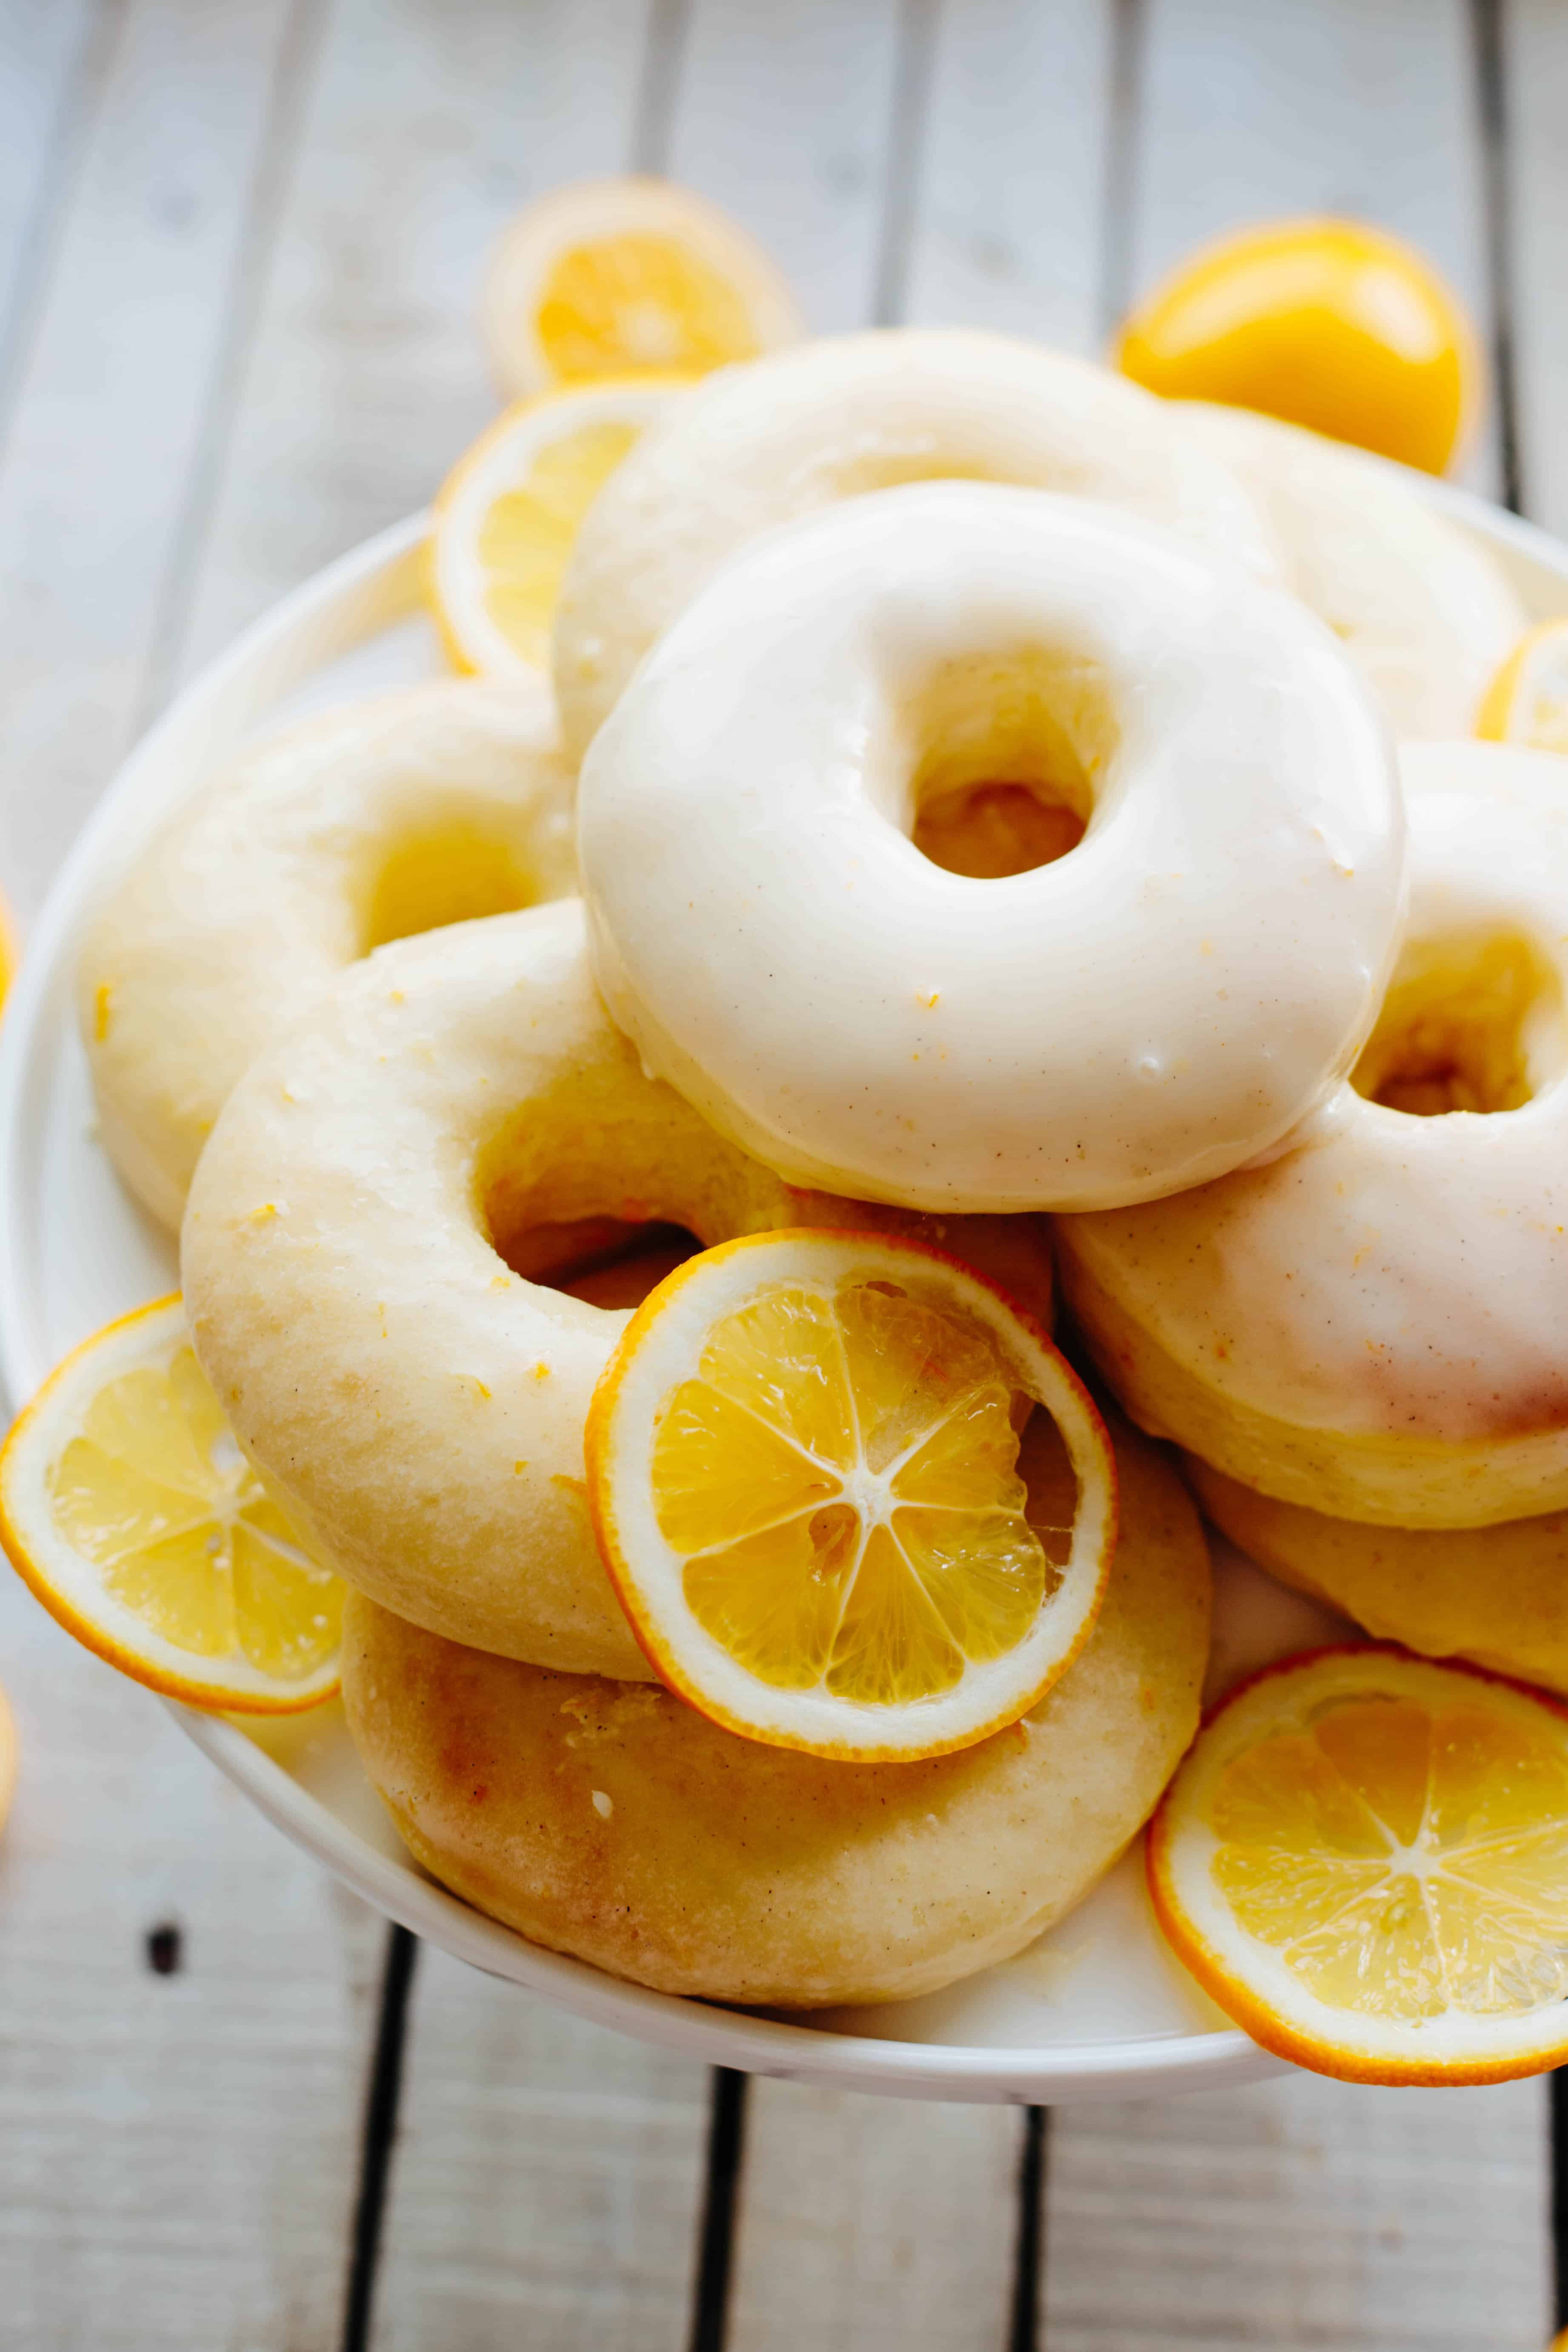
[[437, 874], [1009, 751], [605, 1261], [601, 1187], [1475, 1024]]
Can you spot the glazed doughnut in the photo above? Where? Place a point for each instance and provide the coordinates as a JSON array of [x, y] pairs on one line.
[[389, 815], [416, 1405], [1141, 1014], [787, 435], [1497, 1596], [1424, 611], [1370, 1324], [623, 1826]]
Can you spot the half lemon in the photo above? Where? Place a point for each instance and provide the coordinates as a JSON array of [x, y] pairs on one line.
[[804, 1473], [608, 278]]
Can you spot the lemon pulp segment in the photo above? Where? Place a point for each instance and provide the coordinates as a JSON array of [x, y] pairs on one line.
[[154, 1492], [527, 533], [1404, 1861], [840, 1477], [639, 300]]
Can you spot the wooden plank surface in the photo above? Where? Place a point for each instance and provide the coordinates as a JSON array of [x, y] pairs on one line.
[[783, 117], [1536, 76], [1008, 222], [427, 125], [547, 2184]]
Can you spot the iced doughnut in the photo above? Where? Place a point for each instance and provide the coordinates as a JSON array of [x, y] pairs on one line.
[[1140, 1014], [785, 436], [1423, 610], [417, 1403], [1371, 1324], [1497, 1596], [621, 1825], [390, 816]]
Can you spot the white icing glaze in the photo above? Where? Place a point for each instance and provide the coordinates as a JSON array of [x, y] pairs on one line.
[[1422, 611], [761, 444], [1142, 1014], [1396, 1276]]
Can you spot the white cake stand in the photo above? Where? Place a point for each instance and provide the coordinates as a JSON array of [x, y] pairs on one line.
[[1095, 2009]]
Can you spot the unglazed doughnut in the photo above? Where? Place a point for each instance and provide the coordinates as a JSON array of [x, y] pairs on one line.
[[1138, 1015], [1424, 611], [1370, 1324], [1498, 1596], [785, 436], [623, 1826], [418, 1406], [389, 815]]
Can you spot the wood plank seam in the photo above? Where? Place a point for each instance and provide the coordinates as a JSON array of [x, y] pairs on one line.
[[1030, 2251], [379, 2137], [917, 26], [297, 57], [1124, 106], [1492, 98], [716, 2236], [664, 53], [51, 200]]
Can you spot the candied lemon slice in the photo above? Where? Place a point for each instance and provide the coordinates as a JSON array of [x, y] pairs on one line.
[[1365, 1861], [610, 278], [803, 1471], [510, 511], [1527, 701], [1328, 323], [128, 1508]]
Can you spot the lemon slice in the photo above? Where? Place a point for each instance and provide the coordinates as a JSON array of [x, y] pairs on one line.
[[1527, 701], [510, 511], [610, 278], [127, 1505], [1365, 1861], [802, 1470], [1328, 323]]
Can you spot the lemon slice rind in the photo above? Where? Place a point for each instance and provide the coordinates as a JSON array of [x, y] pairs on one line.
[[665, 1339], [69, 1586], [1248, 1978], [499, 463], [1527, 701]]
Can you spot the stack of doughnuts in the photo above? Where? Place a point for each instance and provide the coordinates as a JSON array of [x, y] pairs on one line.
[[967, 807]]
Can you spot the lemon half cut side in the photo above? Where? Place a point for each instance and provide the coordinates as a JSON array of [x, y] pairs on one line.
[[616, 277], [127, 1507], [804, 1473]]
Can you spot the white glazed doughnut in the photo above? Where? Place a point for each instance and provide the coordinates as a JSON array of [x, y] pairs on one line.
[[623, 1826], [1371, 1325], [418, 1406], [389, 815], [782, 436], [1138, 1015], [1423, 610]]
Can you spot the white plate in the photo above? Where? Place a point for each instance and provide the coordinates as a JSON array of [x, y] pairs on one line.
[[1095, 2010]]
